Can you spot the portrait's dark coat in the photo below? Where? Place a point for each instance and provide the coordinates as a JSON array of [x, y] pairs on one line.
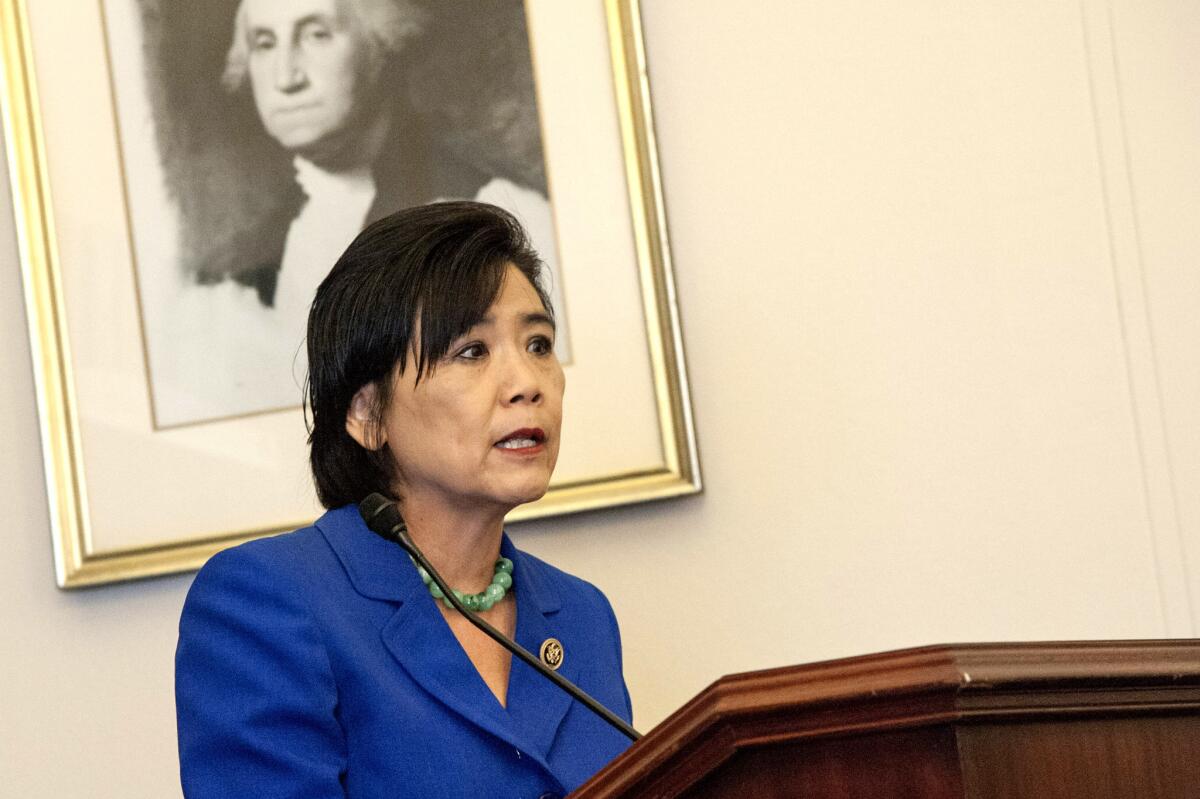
[[412, 169]]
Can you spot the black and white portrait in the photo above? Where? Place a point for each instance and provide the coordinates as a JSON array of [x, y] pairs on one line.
[[260, 136]]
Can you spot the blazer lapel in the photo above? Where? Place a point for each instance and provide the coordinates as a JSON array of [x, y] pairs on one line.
[[536, 705], [419, 639], [416, 634]]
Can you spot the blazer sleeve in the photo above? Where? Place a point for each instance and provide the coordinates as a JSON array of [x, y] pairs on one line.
[[255, 693], [627, 709]]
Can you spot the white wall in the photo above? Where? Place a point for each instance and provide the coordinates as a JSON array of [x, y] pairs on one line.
[[936, 263]]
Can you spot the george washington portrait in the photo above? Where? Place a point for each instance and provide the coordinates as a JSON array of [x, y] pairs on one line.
[[271, 132]]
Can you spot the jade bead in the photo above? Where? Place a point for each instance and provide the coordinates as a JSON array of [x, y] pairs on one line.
[[501, 582]]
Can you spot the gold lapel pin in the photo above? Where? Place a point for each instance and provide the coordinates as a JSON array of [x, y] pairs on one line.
[[552, 653]]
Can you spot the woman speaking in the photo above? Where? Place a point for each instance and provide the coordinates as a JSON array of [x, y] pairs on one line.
[[324, 663]]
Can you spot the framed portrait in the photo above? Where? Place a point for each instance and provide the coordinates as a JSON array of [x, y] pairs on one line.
[[185, 174]]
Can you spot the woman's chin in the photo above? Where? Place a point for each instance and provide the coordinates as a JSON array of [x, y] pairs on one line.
[[526, 493]]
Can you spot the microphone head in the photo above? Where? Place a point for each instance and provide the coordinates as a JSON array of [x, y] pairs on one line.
[[381, 515]]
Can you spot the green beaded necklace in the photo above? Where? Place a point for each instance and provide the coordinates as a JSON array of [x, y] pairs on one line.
[[501, 582]]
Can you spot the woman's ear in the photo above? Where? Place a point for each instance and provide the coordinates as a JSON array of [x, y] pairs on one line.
[[360, 421]]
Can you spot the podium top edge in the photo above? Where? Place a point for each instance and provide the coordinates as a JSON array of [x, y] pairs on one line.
[[957, 682], [979, 666]]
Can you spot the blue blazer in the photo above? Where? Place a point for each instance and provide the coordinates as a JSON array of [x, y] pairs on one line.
[[316, 665]]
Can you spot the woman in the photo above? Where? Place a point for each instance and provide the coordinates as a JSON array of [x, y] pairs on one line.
[[318, 664]]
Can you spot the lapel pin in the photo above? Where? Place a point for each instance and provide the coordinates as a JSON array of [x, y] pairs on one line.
[[552, 653]]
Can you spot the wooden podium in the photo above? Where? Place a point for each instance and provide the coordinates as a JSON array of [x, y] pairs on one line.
[[1101, 720]]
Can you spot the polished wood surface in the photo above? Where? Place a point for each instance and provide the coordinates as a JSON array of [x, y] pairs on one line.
[[983, 721], [920, 762], [1154, 758]]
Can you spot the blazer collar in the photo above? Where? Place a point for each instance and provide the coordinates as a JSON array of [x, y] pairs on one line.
[[419, 638], [536, 581], [377, 568], [380, 569]]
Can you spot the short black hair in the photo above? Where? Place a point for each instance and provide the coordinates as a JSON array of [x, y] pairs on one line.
[[441, 263]]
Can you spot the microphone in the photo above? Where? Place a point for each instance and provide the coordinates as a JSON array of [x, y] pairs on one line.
[[383, 518]]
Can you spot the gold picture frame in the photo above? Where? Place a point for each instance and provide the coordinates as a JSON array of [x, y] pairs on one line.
[[87, 503]]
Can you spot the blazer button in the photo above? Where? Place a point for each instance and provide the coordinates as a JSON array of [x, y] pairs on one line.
[[549, 796]]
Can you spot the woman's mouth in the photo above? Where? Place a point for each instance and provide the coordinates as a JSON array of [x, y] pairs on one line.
[[524, 440]]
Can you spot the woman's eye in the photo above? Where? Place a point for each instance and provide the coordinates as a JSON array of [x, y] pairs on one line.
[[540, 345], [262, 41], [472, 352]]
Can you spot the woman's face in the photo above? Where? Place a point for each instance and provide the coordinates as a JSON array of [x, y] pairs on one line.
[[482, 427]]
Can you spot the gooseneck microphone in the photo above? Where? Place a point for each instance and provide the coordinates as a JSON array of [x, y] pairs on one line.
[[384, 519]]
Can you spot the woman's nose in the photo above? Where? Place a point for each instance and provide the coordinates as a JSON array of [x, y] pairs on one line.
[[523, 382]]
